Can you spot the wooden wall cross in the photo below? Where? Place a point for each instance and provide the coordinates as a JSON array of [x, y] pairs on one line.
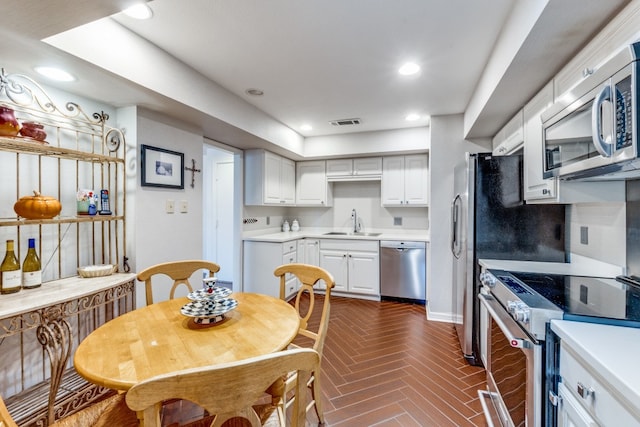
[[193, 171]]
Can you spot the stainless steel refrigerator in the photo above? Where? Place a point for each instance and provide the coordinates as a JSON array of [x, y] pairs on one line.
[[490, 220]]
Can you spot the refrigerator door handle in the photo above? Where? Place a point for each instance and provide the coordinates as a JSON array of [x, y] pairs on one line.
[[454, 226]]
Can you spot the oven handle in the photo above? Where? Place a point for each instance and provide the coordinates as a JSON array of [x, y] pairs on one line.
[[501, 318]]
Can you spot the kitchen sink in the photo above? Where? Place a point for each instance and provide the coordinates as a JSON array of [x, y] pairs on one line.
[[344, 233]]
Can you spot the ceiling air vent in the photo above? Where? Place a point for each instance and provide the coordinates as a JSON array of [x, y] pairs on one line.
[[345, 122]]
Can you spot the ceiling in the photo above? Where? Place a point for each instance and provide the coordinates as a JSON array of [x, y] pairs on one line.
[[315, 61]]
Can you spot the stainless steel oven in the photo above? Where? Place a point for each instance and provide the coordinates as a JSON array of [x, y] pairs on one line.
[[514, 370], [516, 359], [522, 354]]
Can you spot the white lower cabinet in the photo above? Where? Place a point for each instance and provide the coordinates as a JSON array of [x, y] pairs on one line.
[[260, 261], [355, 265], [570, 412], [588, 399]]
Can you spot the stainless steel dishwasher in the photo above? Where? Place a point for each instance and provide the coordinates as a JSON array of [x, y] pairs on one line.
[[403, 268]]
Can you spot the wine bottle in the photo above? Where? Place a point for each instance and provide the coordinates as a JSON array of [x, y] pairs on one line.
[[31, 268], [11, 276]]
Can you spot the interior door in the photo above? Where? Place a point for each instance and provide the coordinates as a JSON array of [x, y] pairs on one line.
[[224, 220]]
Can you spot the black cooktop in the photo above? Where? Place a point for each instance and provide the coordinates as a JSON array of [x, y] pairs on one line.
[[593, 299]]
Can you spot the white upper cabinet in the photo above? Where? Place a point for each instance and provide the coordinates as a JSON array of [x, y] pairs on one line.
[[405, 180], [354, 169], [311, 184], [621, 31], [269, 179], [510, 138], [535, 187]]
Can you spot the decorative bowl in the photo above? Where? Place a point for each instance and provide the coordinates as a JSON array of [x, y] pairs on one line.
[[97, 270]]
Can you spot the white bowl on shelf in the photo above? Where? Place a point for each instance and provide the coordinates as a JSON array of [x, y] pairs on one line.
[[97, 270]]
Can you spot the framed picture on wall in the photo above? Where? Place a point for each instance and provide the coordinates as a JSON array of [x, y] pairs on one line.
[[162, 168]]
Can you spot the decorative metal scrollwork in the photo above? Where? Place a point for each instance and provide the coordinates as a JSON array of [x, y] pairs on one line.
[[55, 337]]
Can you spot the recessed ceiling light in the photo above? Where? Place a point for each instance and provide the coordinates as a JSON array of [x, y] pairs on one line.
[[55, 74], [306, 127], [409, 68], [254, 92], [139, 11], [412, 117]]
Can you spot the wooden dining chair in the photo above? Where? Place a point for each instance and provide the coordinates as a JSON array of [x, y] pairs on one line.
[[110, 412], [309, 276], [179, 271], [227, 390]]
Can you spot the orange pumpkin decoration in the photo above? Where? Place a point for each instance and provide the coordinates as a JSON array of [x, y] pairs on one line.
[[37, 207]]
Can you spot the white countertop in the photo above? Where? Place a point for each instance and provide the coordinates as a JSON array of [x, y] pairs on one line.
[[612, 351], [579, 266], [276, 236]]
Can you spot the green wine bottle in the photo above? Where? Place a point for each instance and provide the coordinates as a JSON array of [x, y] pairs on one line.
[[10, 274], [31, 268]]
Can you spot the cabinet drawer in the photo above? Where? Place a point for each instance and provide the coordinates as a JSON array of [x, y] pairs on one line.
[[289, 247], [593, 392], [350, 245]]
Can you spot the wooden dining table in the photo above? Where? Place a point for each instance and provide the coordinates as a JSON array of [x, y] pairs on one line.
[[158, 339]]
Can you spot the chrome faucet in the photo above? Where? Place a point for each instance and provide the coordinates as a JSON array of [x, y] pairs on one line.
[[354, 219]]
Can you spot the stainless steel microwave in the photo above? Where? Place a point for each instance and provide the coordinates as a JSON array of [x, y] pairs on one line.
[[590, 133]]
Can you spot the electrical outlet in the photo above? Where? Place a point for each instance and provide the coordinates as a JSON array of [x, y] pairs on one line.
[[584, 235], [169, 206], [184, 206], [397, 220]]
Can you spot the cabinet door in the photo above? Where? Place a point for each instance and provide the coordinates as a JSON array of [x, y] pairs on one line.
[[312, 252], [335, 262], [570, 412], [392, 185], [367, 166], [364, 272], [339, 167], [287, 181], [311, 183], [416, 180], [535, 187], [271, 183], [510, 138]]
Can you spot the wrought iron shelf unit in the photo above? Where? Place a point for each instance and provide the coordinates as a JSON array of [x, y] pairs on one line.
[[81, 152]]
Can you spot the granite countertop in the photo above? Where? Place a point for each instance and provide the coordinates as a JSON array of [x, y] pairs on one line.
[[611, 351], [276, 236]]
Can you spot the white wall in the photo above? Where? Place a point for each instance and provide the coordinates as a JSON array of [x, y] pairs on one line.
[[447, 150], [360, 144], [160, 236], [606, 223], [364, 197]]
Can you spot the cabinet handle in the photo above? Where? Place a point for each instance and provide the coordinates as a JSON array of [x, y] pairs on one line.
[[587, 72], [282, 201], [406, 202], [545, 191], [401, 202], [583, 391]]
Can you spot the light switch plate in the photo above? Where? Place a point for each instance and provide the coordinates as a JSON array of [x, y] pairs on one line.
[[169, 206], [184, 206]]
